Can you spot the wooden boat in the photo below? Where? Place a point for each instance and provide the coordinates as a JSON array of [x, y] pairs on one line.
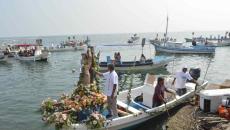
[[140, 111], [38, 54], [184, 50], [158, 61]]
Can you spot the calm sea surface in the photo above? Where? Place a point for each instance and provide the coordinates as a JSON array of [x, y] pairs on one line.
[[24, 85]]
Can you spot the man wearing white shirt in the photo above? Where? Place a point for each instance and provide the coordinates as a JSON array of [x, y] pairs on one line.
[[111, 88], [180, 80]]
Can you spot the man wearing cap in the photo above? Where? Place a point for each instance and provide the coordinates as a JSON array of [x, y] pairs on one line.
[[180, 80], [111, 88]]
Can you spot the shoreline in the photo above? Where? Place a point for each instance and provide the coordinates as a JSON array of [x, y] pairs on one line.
[[190, 117]]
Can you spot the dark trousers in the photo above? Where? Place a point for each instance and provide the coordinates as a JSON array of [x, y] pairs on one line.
[[181, 91], [156, 103]]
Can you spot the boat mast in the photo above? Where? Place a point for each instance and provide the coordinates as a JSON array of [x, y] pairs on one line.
[[166, 32]]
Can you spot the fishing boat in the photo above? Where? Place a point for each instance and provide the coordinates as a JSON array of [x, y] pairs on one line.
[[134, 110], [141, 65], [31, 52], [219, 41], [149, 64], [184, 49], [133, 39], [175, 47], [62, 48], [70, 45]]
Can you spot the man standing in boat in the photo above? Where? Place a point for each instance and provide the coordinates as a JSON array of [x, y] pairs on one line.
[[158, 97], [111, 88], [180, 79]]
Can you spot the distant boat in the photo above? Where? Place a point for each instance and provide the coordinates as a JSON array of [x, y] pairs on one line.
[[137, 66], [138, 108], [133, 44], [133, 39], [31, 52], [177, 47], [70, 45], [184, 50], [219, 41], [66, 48]]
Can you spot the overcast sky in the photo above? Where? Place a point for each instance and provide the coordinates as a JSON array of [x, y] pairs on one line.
[[58, 17]]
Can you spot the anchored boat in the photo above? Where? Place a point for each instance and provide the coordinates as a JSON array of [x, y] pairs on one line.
[[184, 50], [133, 39], [149, 64], [31, 52], [133, 111], [67, 48]]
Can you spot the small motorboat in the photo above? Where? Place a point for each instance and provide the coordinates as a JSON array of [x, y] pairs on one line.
[[149, 64], [70, 45], [31, 52], [133, 39], [67, 48], [137, 108], [179, 49]]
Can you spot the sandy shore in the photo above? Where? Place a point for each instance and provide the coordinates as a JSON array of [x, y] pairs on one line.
[[189, 117]]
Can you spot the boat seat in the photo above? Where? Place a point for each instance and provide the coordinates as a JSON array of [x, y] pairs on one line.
[[131, 109], [148, 90]]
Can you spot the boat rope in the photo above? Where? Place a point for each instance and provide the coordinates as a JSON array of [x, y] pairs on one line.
[[131, 84], [209, 63]]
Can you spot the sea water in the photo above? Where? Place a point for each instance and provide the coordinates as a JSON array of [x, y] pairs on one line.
[[23, 85]]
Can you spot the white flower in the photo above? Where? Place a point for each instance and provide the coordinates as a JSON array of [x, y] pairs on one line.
[[94, 122], [64, 116], [55, 101]]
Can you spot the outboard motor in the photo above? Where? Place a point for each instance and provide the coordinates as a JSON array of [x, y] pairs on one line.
[[195, 73]]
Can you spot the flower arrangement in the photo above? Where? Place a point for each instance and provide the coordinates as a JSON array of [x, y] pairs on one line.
[[84, 102], [95, 121]]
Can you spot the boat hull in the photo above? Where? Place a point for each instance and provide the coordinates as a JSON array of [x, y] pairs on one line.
[[139, 117], [201, 50], [41, 57], [131, 66]]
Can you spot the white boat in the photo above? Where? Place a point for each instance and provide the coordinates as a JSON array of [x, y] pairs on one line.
[[177, 47], [137, 66], [38, 54], [219, 41], [184, 50], [133, 39], [67, 48], [139, 112]]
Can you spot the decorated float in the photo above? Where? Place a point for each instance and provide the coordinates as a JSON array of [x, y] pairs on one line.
[[85, 102]]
